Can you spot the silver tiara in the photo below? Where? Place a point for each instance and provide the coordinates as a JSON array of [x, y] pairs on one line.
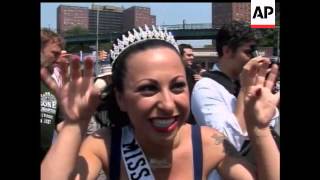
[[142, 35]]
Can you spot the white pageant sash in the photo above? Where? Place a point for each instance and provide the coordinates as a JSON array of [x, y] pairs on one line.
[[135, 161]]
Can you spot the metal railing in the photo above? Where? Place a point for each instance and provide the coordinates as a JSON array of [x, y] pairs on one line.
[[169, 27], [189, 26]]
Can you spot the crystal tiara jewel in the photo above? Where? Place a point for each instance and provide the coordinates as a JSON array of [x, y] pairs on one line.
[[142, 35]]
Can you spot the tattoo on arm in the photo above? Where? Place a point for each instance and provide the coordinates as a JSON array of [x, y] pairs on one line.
[[218, 138], [229, 149]]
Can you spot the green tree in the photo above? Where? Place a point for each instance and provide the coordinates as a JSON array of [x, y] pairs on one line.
[[76, 48], [105, 46], [76, 31]]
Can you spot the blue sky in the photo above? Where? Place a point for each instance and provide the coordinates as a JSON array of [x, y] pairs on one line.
[[166, 13]]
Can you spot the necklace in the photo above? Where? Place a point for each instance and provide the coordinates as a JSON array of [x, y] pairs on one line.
[[159, 163]]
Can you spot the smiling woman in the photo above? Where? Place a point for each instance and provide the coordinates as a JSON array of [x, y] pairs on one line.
[[149, 138], [155, 100]]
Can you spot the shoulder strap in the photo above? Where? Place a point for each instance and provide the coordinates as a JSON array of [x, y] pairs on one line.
[[197, 152], [115, 154], [224, 80]]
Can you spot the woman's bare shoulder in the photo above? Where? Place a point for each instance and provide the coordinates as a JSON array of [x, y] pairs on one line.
[[213, 144], [208, 135], [211, 136], [95, 148], [98, 143]]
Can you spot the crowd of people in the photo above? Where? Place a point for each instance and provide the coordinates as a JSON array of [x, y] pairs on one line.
[[157, 114]]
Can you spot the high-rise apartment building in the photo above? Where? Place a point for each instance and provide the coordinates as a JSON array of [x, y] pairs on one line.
[[137, 16], [71, 16], [110, 19], [226, 12]]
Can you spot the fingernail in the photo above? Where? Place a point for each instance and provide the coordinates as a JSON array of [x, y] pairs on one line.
[[75, 58], [88, 58]]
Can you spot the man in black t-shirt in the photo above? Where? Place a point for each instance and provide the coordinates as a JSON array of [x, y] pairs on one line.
[[51, 46]]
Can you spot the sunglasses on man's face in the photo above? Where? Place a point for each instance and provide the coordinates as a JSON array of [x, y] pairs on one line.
[[252, 52]]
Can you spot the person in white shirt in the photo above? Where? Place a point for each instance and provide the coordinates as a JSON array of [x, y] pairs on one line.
[[220, 103]]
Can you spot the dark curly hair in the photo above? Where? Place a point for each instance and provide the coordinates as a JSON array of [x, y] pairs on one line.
[[234, 35]]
